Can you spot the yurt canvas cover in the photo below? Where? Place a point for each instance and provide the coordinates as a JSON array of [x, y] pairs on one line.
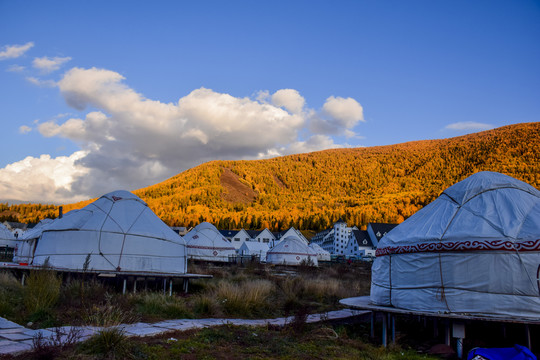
[[26, 245], [322, 255], [205, 242], [475, 249], [254, 248], [291, 251], [119, 232]]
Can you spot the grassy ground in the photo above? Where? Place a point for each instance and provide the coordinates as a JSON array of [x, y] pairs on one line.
[[253, 291], [298, 341]]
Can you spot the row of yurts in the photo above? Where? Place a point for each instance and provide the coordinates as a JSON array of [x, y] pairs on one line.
[[119, 232], [475, 249]]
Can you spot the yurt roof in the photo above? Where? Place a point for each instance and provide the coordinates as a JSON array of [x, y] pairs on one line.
[[318, 249], [255, 246], [206, 232], [116, 212], [5, 234], [37, 230], [485, 206], [293, 245]]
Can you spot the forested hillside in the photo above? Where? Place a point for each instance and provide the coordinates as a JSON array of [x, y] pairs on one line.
[[311, 191]]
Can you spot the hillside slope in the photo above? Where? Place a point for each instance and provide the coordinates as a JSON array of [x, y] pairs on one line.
[[361, 185]]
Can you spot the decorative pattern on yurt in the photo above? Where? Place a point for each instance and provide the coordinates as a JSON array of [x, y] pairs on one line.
[[475, 249]]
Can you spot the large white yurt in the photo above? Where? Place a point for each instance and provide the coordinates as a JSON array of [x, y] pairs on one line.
[[26, 244], [475, 249], [254, 248], [118, 232], [205, 242], [322, 255], [291, 251], [7, 239]]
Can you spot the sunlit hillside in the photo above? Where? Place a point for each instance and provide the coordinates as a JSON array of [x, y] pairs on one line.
[[311, 191]]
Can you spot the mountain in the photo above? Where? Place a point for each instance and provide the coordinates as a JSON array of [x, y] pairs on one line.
[[313, 190]]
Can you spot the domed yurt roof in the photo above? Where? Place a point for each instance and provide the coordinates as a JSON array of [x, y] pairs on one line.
[[6, 237], [291, 251], [205, 242], [118, 232], [322, 255], [475, 249]]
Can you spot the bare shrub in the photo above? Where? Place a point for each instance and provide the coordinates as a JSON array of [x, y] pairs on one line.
[[52, 346], [107, 315]]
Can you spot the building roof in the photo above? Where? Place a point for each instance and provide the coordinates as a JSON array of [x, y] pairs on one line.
[[362, 238], [228, 233], [254, 233], [381, 229]]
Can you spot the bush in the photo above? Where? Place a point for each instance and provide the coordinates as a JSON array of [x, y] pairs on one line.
[[11, 294], [109, 343], [244, 298], [162, 306], [42, 290], [108, 314], [206, 305]]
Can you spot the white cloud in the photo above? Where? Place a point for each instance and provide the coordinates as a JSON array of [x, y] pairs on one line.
[[47, 64], [315, 143], [25, 129], [338, 116], [469, 125], [129, 141], [15, 68], [46, 179], [290, 99], [14, 51], [40, 82], [345, 112]]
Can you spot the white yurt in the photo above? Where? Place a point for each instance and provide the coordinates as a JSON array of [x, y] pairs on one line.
[[118, 232], [291, 251], [254, 248], [7, 243], [475, 249], [322, 255], [26, 244], [7, 239], [205, 242]]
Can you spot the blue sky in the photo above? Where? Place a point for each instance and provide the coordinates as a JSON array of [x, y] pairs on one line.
[[103, 95]]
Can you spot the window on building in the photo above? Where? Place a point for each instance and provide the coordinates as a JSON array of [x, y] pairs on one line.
[[236, 239]]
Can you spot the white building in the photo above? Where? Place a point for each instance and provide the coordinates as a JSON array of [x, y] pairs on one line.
[[335, 239]]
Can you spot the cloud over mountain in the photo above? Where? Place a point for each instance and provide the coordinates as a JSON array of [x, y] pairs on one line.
[[130, 141]]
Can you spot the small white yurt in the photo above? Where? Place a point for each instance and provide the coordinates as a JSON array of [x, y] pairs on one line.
[[475, 250], [26, 244], [291, 251], [8, 243], [254, 248], [205, 242], [118, 232], [7, 239], [322, 255]]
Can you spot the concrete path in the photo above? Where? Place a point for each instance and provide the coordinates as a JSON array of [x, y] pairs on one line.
[[15, 338]]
